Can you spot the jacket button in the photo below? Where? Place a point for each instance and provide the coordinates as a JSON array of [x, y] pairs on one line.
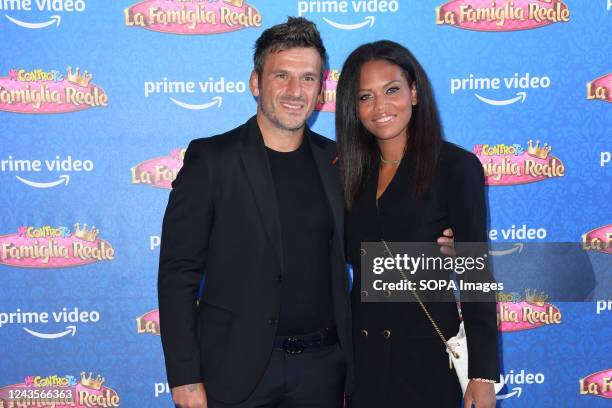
[[364, 332], [387, 334], [272, 321]]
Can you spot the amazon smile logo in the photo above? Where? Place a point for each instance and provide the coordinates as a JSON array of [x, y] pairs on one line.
[[499, 91], [517, 380], [63, 322], [15, 10], [348, 15], [195, 95], [58, 170]]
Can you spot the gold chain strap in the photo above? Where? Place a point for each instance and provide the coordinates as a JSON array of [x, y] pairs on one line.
[[433, 323]]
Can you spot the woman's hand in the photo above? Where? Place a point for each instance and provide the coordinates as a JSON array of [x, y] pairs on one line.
[[481, 394], [447, 242]]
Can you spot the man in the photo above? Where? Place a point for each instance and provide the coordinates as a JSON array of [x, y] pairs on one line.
[[258, 214]]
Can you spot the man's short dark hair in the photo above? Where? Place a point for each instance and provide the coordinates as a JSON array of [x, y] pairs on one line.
[[297, 32]]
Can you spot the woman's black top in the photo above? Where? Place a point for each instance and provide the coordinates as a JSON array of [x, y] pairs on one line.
[[399, 359]]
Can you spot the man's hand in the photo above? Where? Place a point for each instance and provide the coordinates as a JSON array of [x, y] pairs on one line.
[[447, 242], [481, 394], [190, 396]]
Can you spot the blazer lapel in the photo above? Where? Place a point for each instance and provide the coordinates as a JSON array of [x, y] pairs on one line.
[[257, 166], [328, 171]]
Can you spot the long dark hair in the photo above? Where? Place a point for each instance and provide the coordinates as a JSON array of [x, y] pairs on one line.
[[357, 148]]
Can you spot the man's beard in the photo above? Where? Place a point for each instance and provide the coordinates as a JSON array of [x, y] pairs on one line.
[[271, 116]]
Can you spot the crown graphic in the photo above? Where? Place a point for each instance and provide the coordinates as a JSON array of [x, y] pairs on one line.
[[237, 3], [84, 233], [537, 151], [77, 78], [535, 298], [90, 383]]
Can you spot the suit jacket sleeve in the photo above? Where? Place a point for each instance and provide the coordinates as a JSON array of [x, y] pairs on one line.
[[184, 245], [468, 216]]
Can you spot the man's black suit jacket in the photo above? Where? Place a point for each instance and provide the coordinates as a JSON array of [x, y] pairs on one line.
[[222, 224]]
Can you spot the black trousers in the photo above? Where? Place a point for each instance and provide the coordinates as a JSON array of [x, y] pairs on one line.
[[313, 379]]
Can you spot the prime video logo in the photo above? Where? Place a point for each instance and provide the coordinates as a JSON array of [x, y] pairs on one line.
[[177, 89], [603, 306], [355, 7], [61, 166], [483, 85], [64, 316], [161, 389], [516, 380], [49, 6]]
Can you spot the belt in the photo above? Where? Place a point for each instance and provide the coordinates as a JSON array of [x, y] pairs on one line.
[[306, 342]]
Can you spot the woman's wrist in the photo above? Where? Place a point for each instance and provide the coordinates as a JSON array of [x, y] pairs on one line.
[[483, 380]]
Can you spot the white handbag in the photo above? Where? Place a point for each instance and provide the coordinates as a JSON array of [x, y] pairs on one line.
[[456, 346], [457, 350]]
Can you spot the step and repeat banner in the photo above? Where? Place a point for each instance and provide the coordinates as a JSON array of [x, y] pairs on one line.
[[99, 99]]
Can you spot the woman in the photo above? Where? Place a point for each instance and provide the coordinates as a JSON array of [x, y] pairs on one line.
[[403, 183]]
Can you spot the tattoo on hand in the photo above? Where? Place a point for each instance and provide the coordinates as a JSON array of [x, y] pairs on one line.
[[191, 388]]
